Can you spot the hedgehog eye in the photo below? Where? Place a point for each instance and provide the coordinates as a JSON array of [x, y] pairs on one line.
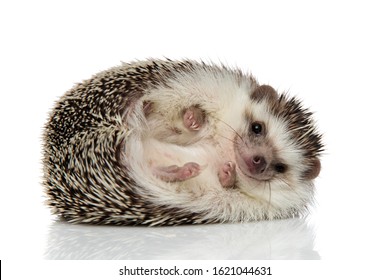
[[280, 168], [257, 128]]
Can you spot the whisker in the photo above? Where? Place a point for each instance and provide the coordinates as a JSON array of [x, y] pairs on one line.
[[227, 138], [269, 197], [235, 132], [288, 185]]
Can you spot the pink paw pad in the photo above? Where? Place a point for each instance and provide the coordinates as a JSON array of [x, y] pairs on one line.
[[227, 174], [193, 118]]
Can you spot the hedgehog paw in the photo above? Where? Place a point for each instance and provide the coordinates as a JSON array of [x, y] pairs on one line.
[[175, 173], [227, 174], [193, 118]]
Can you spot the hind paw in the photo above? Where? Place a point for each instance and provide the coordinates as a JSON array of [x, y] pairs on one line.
[[176, 173]]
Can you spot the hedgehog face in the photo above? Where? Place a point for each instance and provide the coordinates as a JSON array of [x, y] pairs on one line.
[[278, 147], [256, 155]]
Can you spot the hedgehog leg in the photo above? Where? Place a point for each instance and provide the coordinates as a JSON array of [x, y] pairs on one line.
[[175, 173], [193, 118], [227, 174]]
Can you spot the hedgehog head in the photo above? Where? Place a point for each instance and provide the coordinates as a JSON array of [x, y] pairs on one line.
[[279, 146]]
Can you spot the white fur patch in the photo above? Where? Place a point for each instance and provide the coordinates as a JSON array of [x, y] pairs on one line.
[[225, 99]]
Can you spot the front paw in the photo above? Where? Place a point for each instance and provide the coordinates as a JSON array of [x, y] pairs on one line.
[[227, 174], [176, 173], [193, 118]]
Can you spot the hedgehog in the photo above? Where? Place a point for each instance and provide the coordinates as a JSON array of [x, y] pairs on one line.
[[166, 142]]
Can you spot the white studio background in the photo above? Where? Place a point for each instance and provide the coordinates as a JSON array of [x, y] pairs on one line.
[[334, 55]]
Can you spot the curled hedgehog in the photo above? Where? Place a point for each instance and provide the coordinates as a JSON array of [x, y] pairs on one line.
[[162, 142]]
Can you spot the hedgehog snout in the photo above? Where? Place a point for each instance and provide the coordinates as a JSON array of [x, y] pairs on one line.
[[256, 164]]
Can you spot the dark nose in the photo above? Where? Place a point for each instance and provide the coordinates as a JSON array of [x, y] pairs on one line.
[[259, 163]]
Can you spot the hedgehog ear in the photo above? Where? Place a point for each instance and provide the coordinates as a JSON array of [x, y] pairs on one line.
[[314, 170], [264, 91]]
